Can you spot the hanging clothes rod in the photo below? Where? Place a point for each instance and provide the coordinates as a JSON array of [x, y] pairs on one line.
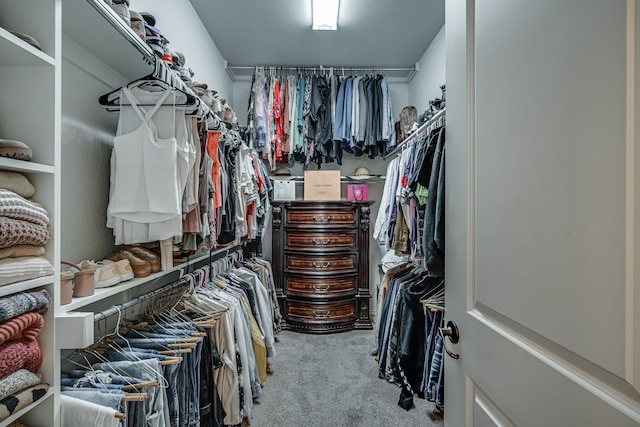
[[438, 115], [120, 308], [235, 70]]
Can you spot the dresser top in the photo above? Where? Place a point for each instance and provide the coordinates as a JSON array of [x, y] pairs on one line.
[[322, 203]]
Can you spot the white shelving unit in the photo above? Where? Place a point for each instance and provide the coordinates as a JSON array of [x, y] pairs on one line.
[[30, 112]]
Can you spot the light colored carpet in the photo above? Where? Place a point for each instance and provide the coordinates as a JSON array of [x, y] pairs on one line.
[[332, 380]]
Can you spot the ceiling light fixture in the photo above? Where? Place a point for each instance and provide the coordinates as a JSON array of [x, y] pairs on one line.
[[325, 14]]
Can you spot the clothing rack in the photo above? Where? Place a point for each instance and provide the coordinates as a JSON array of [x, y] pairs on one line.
[[234, 71], [167, 290], [438, 119]]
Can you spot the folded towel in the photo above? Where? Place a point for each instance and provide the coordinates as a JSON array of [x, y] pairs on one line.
[[24, 398], [14, 270], [14, 206], [78, 412], [27, 326], [17, 182], [14, 305], [18, 232], [21, 250], [19, 380], [17, 354]]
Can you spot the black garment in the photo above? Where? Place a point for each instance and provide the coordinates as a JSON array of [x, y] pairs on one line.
[[320, 127], [433, 237], [425, 161], [370, 138], [411, 356], [228, 225], [211, 412]]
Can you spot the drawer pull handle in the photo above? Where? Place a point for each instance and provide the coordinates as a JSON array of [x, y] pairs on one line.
[[325, 219], [321, 266], [321, 288], [321, 242], [323, 314]]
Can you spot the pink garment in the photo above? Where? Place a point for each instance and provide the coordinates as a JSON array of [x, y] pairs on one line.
[[16, 354], [27, 326]]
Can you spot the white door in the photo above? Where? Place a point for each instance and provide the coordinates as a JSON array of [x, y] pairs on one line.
[[543, 212]]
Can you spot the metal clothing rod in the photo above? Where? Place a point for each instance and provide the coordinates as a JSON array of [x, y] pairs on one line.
[[319, 68], [437, 116], [214, 256], [139, 299]]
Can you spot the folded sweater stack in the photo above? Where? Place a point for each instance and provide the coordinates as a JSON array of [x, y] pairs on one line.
[[20, 355], [23, 232]]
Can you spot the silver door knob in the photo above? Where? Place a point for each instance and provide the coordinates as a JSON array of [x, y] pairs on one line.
[[452, 332]]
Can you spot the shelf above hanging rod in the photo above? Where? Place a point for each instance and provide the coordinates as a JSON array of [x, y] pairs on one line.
[[436, 116], [237, 72]]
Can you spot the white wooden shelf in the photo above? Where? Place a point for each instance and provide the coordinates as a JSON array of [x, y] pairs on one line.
[[16, 51], [26, 409], [97, 28], [299, 179], [7, 163], [178, 271], [25, 285]]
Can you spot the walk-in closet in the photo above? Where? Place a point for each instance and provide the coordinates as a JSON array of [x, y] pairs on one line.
[[398, 213]]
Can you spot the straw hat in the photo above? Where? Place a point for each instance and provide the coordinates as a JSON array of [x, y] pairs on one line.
[[361, 171]]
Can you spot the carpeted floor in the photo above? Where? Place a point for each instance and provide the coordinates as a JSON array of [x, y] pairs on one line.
[[332, 380]]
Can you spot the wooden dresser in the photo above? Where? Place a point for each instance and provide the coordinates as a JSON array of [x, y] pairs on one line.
[[321, 264]]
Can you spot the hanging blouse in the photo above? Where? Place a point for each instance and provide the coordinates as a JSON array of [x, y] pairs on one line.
[[149, 168]]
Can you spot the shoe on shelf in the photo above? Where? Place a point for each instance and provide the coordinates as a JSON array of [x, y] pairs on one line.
[[124, 269], [147, 255], [105, 273], [140, 267]]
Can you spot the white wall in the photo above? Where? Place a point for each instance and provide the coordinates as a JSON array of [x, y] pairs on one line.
[[425, 86]]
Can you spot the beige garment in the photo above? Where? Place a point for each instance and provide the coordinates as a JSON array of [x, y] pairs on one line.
[[17, 182], [21, 250], [401, 233]]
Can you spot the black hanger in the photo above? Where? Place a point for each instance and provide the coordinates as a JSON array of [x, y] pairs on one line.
[[113, 102]]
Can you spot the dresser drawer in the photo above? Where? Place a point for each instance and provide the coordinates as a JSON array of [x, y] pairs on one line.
[[324, 264], [319, 217], [321, 287], [304, 240], [321, 313]]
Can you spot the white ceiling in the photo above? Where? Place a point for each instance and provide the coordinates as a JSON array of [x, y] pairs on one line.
[[371, 33]]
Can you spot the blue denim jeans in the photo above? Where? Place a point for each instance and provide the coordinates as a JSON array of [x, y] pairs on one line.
[[153, 344], [170, 373], [194, 386], [156, 408], [126, 354]]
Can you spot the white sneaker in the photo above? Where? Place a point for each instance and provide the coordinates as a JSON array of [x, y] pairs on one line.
[[105, 275], [124, 269]]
